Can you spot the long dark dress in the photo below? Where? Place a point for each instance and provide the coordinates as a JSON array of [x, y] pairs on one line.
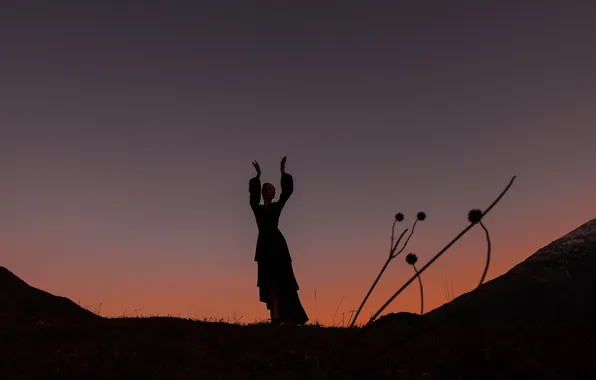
[[275, 272]]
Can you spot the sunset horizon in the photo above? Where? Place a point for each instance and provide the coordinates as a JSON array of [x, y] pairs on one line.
[[128, 132], [333, 315]]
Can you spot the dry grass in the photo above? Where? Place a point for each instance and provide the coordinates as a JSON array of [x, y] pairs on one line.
[[175, 348]]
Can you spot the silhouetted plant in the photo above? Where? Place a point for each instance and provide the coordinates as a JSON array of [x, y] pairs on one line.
[[98, 309], [316, 315], [488, 248], [336, 310], [448, 289], [351, 315], [475, 217], [235, 320], [412, 259], [399, 217]]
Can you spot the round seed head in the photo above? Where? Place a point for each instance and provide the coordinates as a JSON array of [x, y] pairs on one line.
[[411, 258], [474, 216]]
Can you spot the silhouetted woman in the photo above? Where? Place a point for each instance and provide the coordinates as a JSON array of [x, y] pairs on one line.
[[277, 284]]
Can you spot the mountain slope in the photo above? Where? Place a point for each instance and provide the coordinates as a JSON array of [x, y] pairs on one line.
[[557, 283], [19, 300]]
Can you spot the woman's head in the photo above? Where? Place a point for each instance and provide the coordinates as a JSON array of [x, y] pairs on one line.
[[268, 192]]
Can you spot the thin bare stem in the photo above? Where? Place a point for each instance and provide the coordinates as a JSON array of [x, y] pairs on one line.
[[445, 289], [394, 246], [377, 279], [392, 236], [488, 245], [316, 317], [448, 288], [462, 233], [407, 240], [351, 315], [421, 291], [336, 310]]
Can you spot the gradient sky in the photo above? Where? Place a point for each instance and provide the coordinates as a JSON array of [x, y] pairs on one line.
[[127, 132]]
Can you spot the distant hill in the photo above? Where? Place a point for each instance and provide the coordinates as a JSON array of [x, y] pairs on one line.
[[555, 284], [18, 300]]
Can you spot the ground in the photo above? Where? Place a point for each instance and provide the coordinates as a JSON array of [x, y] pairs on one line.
[[174, 348]]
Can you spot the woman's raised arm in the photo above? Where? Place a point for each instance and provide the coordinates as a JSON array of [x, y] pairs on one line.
[[254, 188], [287, 185]]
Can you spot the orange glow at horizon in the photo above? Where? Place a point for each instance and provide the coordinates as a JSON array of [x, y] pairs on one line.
[[234, 296]]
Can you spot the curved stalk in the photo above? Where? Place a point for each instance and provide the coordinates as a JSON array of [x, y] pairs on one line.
[[487, 253]]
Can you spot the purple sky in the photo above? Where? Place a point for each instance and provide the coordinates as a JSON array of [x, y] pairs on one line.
[[127, 134]]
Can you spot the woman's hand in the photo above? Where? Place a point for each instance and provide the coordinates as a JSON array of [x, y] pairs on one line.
[[257, 168], [283, 164]]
